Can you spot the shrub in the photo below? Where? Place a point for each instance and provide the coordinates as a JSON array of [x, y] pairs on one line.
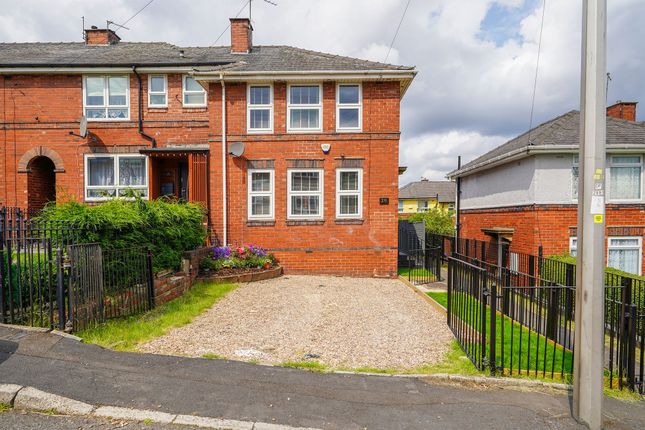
[[167, 228], [248, 256], [437, 221]]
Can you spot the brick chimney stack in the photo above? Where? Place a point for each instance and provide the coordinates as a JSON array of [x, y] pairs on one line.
[[100, 36], [241, 36], [623, 110]]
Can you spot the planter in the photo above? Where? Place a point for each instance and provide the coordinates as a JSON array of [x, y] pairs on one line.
[[260, 275]]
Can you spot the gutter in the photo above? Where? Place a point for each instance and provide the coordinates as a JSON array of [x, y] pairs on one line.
[[152, 140]]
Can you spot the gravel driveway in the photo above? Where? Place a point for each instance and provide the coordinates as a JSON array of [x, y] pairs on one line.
[[340, 322]]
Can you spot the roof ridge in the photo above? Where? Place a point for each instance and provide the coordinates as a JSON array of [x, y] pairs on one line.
[[326, 54]]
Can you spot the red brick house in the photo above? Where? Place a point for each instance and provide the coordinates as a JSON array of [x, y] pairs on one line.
[[528, 188], [315, 139]]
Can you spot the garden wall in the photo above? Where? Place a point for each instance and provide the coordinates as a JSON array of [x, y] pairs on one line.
[[169, 286]]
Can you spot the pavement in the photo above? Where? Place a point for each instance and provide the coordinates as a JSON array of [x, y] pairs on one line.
[[263, 394]]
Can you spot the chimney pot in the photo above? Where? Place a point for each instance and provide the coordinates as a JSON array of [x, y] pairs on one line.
[[241, 35], [623, 110]]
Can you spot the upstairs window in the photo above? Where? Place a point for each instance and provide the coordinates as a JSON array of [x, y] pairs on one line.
[[305, 194], [349, 193], [261, 194], [573, 246], [348, 107], [109, 176], [260, 108], [194, 95], [106, 98], [304, 108], [625, 177], [575, 173], [400, 206], [157, 91]]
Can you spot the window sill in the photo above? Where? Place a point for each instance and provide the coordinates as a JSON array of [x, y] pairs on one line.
[[158, 108], [260, 223], [291, 222], [349, 221], [195, 108]]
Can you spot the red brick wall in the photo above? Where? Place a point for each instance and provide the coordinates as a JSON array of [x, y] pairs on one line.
[[549, 225], [41, 111]]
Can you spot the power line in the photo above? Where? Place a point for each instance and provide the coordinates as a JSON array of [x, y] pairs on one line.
[[537, 68], [137, 13], [397, 30], [229, 24]]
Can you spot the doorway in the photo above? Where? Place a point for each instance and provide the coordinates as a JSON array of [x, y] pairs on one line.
[[41, 183]]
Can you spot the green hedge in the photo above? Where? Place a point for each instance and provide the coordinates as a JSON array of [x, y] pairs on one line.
[[167, 228], [566, 258]]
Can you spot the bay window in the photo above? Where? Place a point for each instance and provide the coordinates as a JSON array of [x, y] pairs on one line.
[[193, 94], [106, 97], [115, 175], [349, 193], [260, 108], [157, 91], [625, 177], [304, 108], [260, 194], [625, 253], [348, 107], [305, 194]]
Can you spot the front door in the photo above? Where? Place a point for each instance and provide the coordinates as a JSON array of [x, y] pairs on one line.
[[183, 181]]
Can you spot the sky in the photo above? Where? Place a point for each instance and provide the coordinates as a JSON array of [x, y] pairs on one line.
[[476, 59]]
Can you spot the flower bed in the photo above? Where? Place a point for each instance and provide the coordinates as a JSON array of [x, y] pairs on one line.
[[241, 263]]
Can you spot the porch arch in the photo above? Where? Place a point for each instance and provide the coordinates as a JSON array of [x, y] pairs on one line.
[[40, 151]]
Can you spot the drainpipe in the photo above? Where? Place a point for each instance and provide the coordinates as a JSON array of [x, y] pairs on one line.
[[141, 132], [224, 190]]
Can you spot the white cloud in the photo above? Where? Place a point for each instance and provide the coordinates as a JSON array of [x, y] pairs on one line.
[[468, 92]]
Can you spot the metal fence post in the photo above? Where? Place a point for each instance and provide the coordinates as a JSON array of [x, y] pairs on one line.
[[483, 293], [60, 290], [631, 347], [2, 280], [449, 288], [492, 359], [151, 281]]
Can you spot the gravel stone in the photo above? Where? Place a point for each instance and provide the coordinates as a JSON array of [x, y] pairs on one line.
[[348, 322]]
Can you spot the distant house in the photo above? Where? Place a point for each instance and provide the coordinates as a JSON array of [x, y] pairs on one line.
[[424, 195], [529, 187]]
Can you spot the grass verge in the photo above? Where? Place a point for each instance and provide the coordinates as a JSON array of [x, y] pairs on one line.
[[313, 365], [418, 271], [125, 334]]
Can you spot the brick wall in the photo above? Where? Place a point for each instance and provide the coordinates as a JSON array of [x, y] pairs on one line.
[[549, 225], [41, 111]]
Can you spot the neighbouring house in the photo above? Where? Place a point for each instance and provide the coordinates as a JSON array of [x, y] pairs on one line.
[[290, 149], [424, 195], [527, 188]]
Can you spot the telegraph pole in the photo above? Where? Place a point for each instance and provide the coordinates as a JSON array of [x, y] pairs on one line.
[[590, 279]]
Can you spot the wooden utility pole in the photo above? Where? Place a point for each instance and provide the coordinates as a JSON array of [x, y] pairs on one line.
[[590, 279]]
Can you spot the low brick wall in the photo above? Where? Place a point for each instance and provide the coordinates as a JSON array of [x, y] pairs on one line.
[[169, 286]]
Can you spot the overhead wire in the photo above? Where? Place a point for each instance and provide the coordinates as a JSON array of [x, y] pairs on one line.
[[407, 5], [229, 24]]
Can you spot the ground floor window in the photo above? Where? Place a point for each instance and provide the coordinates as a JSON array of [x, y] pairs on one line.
[[305, 194], [261, 194], [625, 253], [573, 246], [349, 193], [115, 175]]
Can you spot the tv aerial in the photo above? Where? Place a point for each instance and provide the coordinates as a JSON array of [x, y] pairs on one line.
[[272, 3]]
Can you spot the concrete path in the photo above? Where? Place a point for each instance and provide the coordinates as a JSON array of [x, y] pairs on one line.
[[240, 391]]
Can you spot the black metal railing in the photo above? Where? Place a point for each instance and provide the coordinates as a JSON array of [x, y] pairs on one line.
[[517, 319], [422, 266]]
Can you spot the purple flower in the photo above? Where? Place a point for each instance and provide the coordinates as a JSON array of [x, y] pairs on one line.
[[260, 252], [221, 252]]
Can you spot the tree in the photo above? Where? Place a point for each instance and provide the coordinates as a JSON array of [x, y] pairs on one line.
[[436, 220]]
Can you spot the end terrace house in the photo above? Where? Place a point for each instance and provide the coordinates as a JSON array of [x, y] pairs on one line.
[[290, 149]]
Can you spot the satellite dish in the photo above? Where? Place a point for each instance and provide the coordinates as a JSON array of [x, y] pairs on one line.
[[236, 149], [83, 126]]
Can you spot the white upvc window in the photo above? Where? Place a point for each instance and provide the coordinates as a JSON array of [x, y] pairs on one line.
[[259, 113], [575, 174], [349, 193], [193, 94], [625, 253], [304, 108], [305, 194], [625, 178], [115, 175], [400, 206], [349, 107], [261, 194], [573, 246], [106, 98], [157, 91]]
